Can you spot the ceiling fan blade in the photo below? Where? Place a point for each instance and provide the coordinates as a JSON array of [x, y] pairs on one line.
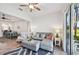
[[31, 6], [20, 9], [34, 3], [37, 8], [5, 18], [23, 5], [3, 14]]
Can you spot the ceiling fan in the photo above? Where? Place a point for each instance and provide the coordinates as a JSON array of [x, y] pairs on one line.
[[3, 17], [31, 6]]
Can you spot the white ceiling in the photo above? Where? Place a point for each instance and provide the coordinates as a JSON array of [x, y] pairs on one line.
[[10, 18], [12, 9], [50, 16], [46, 8]]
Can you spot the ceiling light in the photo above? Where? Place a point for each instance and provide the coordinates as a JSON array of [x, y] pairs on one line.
[[31, 6]]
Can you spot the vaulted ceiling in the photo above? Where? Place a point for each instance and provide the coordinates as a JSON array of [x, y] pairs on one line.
[[51, 14], [46, 8]]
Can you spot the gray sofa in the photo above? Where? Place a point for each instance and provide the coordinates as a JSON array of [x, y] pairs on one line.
[[45, 44], [33, 45]]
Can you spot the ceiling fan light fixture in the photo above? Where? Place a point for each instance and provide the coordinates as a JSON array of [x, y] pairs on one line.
[[31, 6]]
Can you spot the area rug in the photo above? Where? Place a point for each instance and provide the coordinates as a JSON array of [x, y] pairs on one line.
[[25, 51]]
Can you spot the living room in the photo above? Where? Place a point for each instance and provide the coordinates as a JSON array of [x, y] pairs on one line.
[[25, 30], [39, 29]]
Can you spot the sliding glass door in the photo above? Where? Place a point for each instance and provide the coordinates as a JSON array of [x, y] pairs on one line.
[[76, 29], [72, 29]]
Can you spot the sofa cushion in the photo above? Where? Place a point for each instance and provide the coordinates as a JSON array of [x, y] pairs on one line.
[[47, 45], [33, 45]]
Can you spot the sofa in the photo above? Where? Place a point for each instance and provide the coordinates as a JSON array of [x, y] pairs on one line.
[[47, 44], [27, 43], [34, 45], [46, 40], [39, 36]]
